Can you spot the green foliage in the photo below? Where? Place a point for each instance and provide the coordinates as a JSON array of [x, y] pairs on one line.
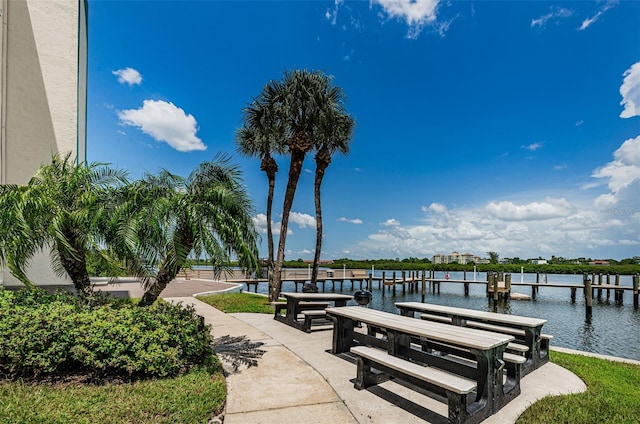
[[42, 334], [63, 208], [166, 219], [611, 396], [425, 264]]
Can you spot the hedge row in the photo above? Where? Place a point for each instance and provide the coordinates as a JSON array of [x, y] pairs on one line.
[[44, 334]]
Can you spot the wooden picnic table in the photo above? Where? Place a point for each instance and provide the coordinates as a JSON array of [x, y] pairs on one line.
[[486, 348], [293, 305], [526, 329]]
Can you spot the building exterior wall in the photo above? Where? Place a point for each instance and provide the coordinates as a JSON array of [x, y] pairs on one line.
[[43, 96], [455, 257]]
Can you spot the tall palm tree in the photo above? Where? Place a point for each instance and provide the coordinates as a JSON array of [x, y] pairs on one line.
[[302, 104], [169, 218], [260, 136], [61, 209], [335, 137]]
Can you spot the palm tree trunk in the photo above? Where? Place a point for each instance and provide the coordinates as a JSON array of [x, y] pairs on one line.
[[295, 168], [166, 274], [152, 293], [76, 267], [321, 166], [271, 168], [77, 270]]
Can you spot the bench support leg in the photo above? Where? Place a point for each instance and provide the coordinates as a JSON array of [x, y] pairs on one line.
[[364, 376]]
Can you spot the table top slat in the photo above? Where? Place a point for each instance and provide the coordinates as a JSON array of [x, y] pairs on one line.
[[462, 336], [505, 319], [316, 296]]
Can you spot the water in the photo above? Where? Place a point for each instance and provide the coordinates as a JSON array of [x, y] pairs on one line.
[[613, 329]]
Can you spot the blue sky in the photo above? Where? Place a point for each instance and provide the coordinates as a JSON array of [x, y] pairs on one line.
[[509, 126]]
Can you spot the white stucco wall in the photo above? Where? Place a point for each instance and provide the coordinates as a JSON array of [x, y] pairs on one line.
[[42, 101]]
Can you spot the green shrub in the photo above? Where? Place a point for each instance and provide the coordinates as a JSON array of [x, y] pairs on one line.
[[59, 334]]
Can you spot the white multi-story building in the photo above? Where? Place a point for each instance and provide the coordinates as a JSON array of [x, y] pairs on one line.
[[456, 258], [43, 90]]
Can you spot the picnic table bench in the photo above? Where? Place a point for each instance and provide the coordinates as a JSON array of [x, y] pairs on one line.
[[527, 331], [310, 305], [474, 360]]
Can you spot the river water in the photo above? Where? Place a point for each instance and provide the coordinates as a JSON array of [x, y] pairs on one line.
[[612, 330]]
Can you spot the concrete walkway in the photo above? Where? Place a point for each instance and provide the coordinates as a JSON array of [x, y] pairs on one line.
[[299, 380]]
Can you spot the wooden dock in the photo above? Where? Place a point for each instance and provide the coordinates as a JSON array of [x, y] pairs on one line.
[[594, 286]]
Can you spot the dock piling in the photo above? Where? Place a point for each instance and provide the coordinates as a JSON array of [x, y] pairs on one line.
[[424, 287], [589, 298], [636, 281], [619, 293]]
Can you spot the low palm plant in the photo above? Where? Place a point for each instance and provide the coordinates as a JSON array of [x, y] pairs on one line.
[[167, 218], [61, 210]]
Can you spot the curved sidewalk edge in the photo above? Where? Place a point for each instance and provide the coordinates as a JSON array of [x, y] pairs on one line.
[[282, 388], [595, 355]]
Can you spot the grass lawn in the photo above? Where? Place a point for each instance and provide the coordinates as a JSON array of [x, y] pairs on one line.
[[194, 397], [239, 302], [612, 396]]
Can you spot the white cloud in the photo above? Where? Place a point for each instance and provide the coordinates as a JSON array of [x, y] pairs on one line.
[[549, 209], [350, 221], [435, 207], [622, 175], [128, 76], [332, 14], [590, 21], [630, 92], [532, 147], [560, 167], [391, 222], [416, 13], [260, 222], [303, 220], [443, 27], [165, 122], [569, 229], [558, 12]]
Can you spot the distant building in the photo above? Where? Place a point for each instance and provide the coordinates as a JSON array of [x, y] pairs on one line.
[[43, 86], [456, 258], [320, 262], [539, 261], [600, 262]]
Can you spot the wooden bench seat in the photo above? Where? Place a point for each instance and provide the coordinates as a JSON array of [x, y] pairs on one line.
[[513, 347], [496, 328], [303, 306], [436, 318], [517, 348], [312, 315], [544, 338], [455, 387], [501, 329]]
